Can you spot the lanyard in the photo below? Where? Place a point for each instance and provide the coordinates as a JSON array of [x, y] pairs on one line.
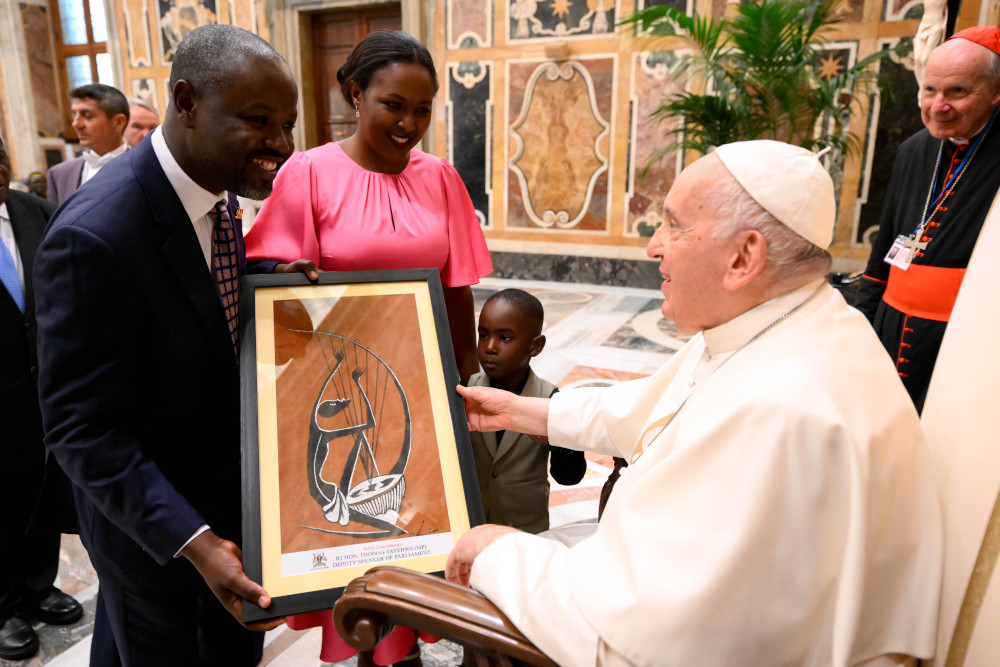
[[929, 209]]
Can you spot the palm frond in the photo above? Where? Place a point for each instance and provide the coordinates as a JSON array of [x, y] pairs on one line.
[[758, 70]]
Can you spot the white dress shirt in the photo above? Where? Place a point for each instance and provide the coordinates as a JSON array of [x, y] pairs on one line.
[[92, 162], [198, 202]]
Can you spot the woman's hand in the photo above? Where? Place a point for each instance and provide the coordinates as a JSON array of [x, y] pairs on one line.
[[305, 266]]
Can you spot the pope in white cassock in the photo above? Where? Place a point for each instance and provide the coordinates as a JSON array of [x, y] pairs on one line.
[[779, 507]]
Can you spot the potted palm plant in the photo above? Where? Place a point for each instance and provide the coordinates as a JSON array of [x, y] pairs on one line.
[[755, 75]]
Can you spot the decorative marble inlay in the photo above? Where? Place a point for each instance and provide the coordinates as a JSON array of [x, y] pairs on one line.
[[547, 19], [167, 93], [651, 87], [686, 6], [470, 91], [850, 11], [176, 18], [901, 10], [138, 41], [559, 144], [469, 23], [145, 89], [567, 269], [890, 123], [833, 59], [243, 13]]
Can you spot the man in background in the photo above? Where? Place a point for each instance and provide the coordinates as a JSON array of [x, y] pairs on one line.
[[143, 118], [28, 563], [943, 183], [36, 184], [100, 114]]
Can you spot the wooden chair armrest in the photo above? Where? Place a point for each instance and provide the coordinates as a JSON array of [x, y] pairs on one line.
[[387, 596]]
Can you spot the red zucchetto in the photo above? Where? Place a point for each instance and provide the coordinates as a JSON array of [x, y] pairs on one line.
[[988, 36]]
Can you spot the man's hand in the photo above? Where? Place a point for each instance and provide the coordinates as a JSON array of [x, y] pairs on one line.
[[220, 563], [488, 409], [299, 266], [458, 567]]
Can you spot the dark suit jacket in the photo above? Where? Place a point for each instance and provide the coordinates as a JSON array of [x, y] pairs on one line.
[[20, 422], [513, 473], [139, 383], [64, 179]]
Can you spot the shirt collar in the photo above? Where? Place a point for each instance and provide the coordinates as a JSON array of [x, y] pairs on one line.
[[974, 134], [4, 213], [734, 333], [97, 161], [196, 200]]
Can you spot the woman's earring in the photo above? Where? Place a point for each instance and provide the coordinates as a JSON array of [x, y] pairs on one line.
[[357, 111]]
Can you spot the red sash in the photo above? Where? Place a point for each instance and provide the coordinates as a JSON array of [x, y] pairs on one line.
[[928, 292]]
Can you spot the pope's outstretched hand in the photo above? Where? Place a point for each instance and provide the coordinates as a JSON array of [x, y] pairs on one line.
[[489, 409]]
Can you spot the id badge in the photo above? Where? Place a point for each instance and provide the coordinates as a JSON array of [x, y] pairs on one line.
[[899, 253]]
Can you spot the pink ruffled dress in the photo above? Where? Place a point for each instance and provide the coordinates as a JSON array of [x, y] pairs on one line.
[[327, 208]]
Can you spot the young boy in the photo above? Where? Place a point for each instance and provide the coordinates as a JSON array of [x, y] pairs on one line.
[[511, 467]]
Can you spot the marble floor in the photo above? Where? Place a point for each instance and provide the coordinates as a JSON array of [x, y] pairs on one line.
[[595, 336]]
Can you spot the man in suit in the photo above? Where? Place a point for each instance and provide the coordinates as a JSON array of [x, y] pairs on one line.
[[28, 563], [138, 341], [100, 115]]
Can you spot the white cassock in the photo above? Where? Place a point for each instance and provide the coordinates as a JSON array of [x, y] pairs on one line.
[[786, 517]]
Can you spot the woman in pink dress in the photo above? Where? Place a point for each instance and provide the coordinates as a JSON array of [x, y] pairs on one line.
[[372, 202]]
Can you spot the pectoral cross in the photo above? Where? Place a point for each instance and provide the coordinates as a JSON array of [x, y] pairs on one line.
[[913, 245]]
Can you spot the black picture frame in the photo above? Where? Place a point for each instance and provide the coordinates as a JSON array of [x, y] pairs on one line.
[[355, 370]]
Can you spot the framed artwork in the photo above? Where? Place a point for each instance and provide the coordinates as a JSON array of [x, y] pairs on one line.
[[356, 451]]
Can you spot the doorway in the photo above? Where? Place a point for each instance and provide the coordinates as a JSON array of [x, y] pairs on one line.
[[334, 35]]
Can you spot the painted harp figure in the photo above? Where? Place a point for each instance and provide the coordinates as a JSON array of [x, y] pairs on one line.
[[343, 412]]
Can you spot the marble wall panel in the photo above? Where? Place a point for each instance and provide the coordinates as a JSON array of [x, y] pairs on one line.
[[538, 163], [167, 94], [559, 119], [530, 20], [244, 13], [891, 122], [900, 10], [470, 131], [176, 18], [35, 21], [469, 23], [649, 181], [570, 269], [145, 89], [138, 40], [686, 6], [850, 11], [151, 29], [833, 59]]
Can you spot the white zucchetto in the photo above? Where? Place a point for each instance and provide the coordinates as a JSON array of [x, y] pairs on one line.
[[789, 182]]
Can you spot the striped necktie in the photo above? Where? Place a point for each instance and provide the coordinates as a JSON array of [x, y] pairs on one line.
[[9, 277], [225, 262]]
